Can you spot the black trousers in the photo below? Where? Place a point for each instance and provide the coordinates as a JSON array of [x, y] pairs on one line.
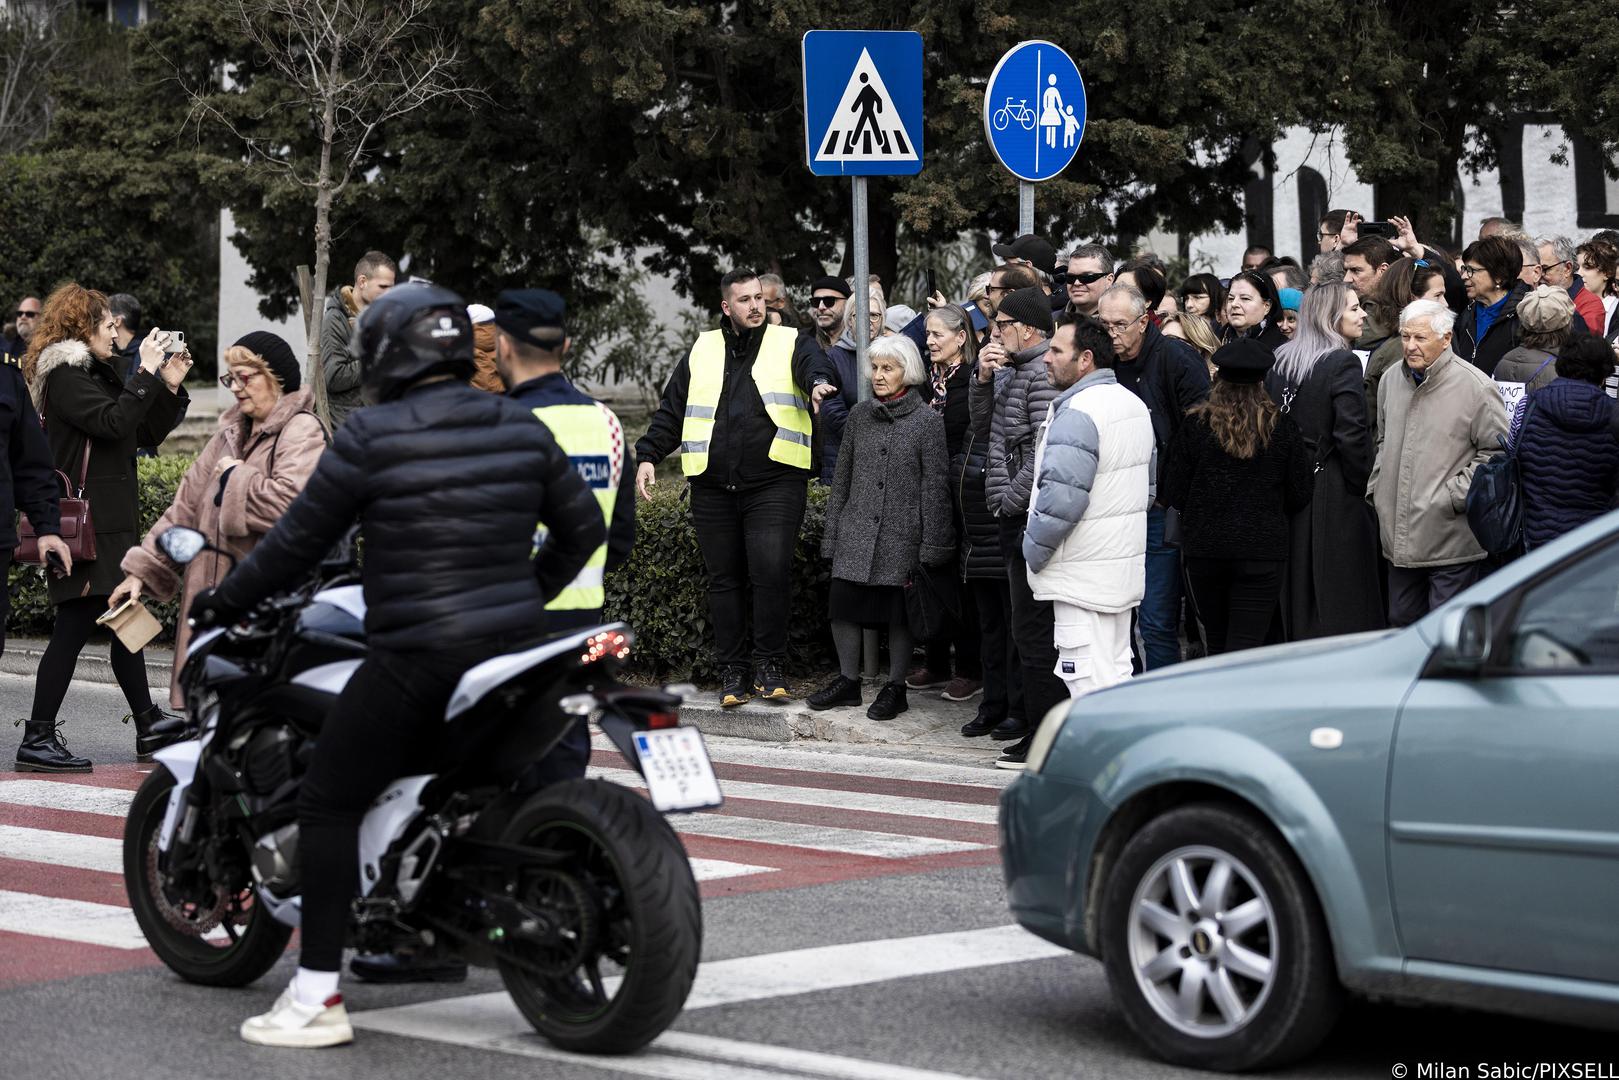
[[388, 723], [1033, 630], [1003, 678], [747, 539], [75, 622], [1413, 592], [964, 637], [1236, 599]]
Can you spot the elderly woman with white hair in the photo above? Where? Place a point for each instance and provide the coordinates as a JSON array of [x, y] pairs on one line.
[[888, 514], [1439, 418]]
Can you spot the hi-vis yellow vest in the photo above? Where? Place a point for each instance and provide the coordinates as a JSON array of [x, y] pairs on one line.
[[785, 403], [593, 440]]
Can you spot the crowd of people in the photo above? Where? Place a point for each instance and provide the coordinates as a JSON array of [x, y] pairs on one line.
[[1094, 474]]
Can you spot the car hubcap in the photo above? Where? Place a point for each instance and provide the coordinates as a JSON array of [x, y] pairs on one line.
[[1202, 940]]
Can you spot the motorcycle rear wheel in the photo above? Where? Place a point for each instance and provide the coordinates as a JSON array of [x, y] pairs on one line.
[[649, 929], [253, 940]]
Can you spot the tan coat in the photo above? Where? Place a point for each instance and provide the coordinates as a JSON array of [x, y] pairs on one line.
[[1430, 439], [256, 493]]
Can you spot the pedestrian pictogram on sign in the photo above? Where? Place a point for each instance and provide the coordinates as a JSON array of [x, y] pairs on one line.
[[863, 102], [865, 126]]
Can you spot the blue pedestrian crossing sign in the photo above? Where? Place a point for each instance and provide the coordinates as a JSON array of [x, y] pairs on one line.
[[1034, 110], [863, 102]]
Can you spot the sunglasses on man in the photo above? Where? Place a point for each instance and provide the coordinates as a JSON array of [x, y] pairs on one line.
[[27, 314], [825, 301], [1087, 278]]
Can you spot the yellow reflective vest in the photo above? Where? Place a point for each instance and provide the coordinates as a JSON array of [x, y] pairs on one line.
[[593, 439], [786, 404]]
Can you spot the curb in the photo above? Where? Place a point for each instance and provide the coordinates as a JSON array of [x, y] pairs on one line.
[[22, 657]]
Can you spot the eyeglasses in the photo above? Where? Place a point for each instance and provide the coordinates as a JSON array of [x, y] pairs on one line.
[[826, 301], [27, 314], [1546, 268], [230, 380], [1002, 324], [1086, 279], [1326, 236], [1469, 270], [1121, 327], [992, 287]]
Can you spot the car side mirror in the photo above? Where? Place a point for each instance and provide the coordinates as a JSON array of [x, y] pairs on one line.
[[182, 544], [1464, 639]]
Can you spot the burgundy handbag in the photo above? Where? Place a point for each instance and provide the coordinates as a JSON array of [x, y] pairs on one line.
[[78, 527]]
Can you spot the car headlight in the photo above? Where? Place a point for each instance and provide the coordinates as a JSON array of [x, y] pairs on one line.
[[1046, 734]]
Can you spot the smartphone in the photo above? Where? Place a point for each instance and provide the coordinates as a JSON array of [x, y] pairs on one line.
[[1377, 228], [933, 286]]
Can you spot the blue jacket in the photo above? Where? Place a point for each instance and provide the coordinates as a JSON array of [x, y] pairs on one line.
[[835, 409], [1568, 457]]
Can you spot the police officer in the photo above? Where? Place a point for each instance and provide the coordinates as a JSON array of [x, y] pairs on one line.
[[738, 411]]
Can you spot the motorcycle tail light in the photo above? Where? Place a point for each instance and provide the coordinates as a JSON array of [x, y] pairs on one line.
[[662, 720], [608, 643]]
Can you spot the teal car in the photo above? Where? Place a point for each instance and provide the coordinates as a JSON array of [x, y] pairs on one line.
[[1427, 815]]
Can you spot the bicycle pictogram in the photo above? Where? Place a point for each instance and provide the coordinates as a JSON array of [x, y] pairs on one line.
[[1009, 112]]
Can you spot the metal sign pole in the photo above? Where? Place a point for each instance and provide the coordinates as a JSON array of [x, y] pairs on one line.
[[1025, 208], [862, 331]]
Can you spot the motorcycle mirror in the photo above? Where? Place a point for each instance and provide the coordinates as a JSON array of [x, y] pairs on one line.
[[182, 544]]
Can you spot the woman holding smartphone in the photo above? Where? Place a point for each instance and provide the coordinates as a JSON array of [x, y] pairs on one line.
[[94, 422]]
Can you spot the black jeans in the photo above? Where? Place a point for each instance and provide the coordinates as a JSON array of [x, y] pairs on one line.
[[388, 723], [1003, 679], [964, 637], [747, 539], [1236, 599], [1033, 630], [75, 622]]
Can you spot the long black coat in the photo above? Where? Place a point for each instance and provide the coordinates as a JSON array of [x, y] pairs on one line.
[[1332, 584], [980, 546], [83, 398], [27, 482]]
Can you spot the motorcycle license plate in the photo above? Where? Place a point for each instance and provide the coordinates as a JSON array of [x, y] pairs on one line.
[[679, 775]]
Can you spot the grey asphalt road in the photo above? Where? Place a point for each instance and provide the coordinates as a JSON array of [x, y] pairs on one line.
[[1049, 1017]]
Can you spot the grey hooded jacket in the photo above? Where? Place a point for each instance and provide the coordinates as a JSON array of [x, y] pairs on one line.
[[1013, 413]]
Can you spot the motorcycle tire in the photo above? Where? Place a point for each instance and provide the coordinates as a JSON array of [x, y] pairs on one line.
[[659, 897], [260, 941]]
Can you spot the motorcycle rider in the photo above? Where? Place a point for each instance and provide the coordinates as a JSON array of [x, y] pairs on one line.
[[447, 484], [530, 344]]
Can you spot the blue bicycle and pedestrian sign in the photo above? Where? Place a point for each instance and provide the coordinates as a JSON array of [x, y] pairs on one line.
[[863, 102], [1034, 110]]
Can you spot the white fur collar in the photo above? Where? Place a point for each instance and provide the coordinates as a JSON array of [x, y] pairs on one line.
[[64, 353]]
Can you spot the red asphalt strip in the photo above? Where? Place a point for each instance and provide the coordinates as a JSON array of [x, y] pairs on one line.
[[73, 821], [27, 959], [63, 882]]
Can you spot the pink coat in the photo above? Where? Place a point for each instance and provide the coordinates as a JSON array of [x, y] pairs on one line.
[[277, 457]]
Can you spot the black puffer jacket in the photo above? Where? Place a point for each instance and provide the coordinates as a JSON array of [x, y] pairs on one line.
[[446, 483], [980, 534]]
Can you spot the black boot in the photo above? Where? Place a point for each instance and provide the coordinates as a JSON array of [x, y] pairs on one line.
[[890, 702], [156, 728], [840, 691], [428, 965], [42, 750]]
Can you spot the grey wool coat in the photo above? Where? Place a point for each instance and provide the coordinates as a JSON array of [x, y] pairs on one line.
[[890, 503]]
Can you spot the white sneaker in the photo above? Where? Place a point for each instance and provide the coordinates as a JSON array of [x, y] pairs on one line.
[[290, 1024]]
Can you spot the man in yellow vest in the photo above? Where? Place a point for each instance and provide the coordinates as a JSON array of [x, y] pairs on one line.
[[737, 409]]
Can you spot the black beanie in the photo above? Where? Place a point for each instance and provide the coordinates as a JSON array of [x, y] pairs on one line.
[[1031, 307], [835, 284], [277, 356], [1244, 360]]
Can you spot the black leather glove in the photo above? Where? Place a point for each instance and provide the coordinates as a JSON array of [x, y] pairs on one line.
[[209, 610]]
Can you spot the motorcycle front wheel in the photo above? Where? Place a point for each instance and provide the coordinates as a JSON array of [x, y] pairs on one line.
[[225, 938], [629, 905]]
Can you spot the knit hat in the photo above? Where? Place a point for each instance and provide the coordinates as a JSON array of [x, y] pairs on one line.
[[1290, 298], [834, 284], [1031, 307], [898, 318], [277, 356], [1244, 360], [1546, 310], [480, 314]]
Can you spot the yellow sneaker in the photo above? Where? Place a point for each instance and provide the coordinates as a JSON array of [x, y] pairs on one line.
[[306, 1026]]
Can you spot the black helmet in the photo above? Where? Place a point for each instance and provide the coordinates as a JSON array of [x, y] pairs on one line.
[[408, 333]]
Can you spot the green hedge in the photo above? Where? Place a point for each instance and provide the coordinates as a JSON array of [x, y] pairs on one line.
[[31, 611], [660, 591]]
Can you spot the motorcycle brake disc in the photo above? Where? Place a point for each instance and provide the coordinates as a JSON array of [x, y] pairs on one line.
[[210, 917], [562, 926]]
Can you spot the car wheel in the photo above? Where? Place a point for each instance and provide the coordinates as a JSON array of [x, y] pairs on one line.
[[1214, 944]]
